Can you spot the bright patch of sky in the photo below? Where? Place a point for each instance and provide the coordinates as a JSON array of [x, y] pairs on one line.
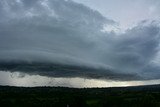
[[126, 13], [25, 80]]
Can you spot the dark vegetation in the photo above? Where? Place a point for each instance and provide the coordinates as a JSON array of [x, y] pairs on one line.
[[142, 96]]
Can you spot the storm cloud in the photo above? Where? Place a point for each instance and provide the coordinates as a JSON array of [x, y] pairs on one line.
[[66, 39]]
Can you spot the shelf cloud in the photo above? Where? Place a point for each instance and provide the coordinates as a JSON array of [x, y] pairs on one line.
[[66, 39]]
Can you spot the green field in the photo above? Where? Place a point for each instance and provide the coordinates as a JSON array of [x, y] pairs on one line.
[[142, 96]]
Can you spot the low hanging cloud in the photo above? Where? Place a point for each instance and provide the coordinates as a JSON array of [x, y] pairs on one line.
[[61, 38]]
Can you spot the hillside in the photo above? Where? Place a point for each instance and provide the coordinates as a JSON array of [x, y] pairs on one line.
[[139, 96]]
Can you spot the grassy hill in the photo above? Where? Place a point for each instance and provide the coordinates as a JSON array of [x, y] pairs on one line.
[[140, 96]]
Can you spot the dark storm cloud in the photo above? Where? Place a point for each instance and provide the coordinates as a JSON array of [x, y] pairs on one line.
[[69, 35]]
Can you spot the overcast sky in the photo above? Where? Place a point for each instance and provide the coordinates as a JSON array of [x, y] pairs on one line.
[[119, 38]]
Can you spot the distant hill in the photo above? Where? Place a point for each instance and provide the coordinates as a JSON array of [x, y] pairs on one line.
[[135, 96]]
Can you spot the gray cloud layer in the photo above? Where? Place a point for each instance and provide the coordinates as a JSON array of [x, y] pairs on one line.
[[66, 33]]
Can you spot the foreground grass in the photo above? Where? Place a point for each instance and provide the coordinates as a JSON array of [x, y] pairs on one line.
[[144, 96]]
